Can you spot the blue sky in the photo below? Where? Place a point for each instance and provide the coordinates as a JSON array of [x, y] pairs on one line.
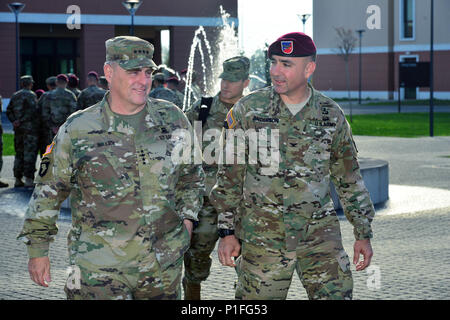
[[263, 21]]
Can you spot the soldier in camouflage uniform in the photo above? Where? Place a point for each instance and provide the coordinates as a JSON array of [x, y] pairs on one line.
[[207, 116], [285, 217], [92, 94], [103, 83], [2, 184], [132, 206], [72, 85], [172, 84], [57, 106], [21, 111], [161, 92], [44, 137]]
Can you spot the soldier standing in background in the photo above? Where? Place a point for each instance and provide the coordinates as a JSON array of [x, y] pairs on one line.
[[51, 83], [92, 94], [2, 184], [211, 112], [172, 84], [285, 217], [161, 92], [132, 206], [103, 83], [21, 111], [73, 84], [43, 130], [57, 106]]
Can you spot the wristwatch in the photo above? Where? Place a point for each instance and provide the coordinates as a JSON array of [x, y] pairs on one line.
[[225, 232]]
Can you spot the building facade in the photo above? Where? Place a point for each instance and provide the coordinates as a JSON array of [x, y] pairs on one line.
[[53, 41], [394, 31]]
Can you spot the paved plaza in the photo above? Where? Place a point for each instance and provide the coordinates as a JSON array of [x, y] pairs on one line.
[[411, 232]]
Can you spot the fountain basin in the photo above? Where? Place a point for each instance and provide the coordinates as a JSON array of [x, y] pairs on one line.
[[375, 173]]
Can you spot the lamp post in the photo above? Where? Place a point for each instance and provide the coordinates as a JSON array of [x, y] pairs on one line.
[[304, 17], [360, 62], [431, 70], [132, 6], [16, 7]]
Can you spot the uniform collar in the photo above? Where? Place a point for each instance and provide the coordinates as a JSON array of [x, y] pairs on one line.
[[113, 123], [278, 107]]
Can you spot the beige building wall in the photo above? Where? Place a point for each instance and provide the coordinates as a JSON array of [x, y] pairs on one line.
[[382, 48]]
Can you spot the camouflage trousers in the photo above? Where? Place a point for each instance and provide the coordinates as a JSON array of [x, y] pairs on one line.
[[319, 260], [149, 283], [197, 260], [26, 148]]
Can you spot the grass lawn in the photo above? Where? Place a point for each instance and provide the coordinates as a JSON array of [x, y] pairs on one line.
[[8, 144], [400, 124]]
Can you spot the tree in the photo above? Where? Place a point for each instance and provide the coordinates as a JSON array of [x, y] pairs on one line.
[[346, 45]]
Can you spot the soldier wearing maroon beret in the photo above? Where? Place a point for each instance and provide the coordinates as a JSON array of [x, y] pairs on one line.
[[280, 217]]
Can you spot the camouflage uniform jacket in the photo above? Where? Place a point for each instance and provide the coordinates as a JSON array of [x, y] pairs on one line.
[[23, 107], [57, 106], [90, 96], [166, 94], [214, 124], [127, 196], [315, 146], [76, 92]]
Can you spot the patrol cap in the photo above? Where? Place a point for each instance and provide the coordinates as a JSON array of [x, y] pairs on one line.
[[62, 77], [159, 77], [51, 81], [235, 69], [294, 44], [130, 52], [26, 79]]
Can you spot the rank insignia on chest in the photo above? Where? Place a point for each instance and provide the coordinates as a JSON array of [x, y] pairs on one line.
[[287, 47], [230, 119]]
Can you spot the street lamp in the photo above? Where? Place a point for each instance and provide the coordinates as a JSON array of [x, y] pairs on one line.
[[431, 70], [132, 6], [360, 62], [16, 7], [304, 17]]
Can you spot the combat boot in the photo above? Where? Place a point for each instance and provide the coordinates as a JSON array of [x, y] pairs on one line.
[[18, 183], [191, 290], [28, 182]]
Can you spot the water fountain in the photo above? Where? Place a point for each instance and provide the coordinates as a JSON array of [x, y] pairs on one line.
[[227, 45]]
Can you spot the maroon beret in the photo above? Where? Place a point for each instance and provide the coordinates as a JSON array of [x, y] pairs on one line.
[[294, 44], [62, 77], [93, 74], [173, 79]]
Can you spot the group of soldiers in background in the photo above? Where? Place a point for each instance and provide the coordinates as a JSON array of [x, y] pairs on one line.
[[37, 115]]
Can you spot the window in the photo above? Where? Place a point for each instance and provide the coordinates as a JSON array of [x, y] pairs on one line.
[[407, 19]]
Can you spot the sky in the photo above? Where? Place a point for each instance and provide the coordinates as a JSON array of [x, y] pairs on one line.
[[263, 21]]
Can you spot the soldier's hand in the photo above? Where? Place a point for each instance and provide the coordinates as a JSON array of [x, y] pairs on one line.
[[228, 247], [362, 247], [189, 226], [39, 269]]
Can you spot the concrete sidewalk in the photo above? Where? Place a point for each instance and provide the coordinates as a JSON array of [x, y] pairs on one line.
[[411, 239]]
